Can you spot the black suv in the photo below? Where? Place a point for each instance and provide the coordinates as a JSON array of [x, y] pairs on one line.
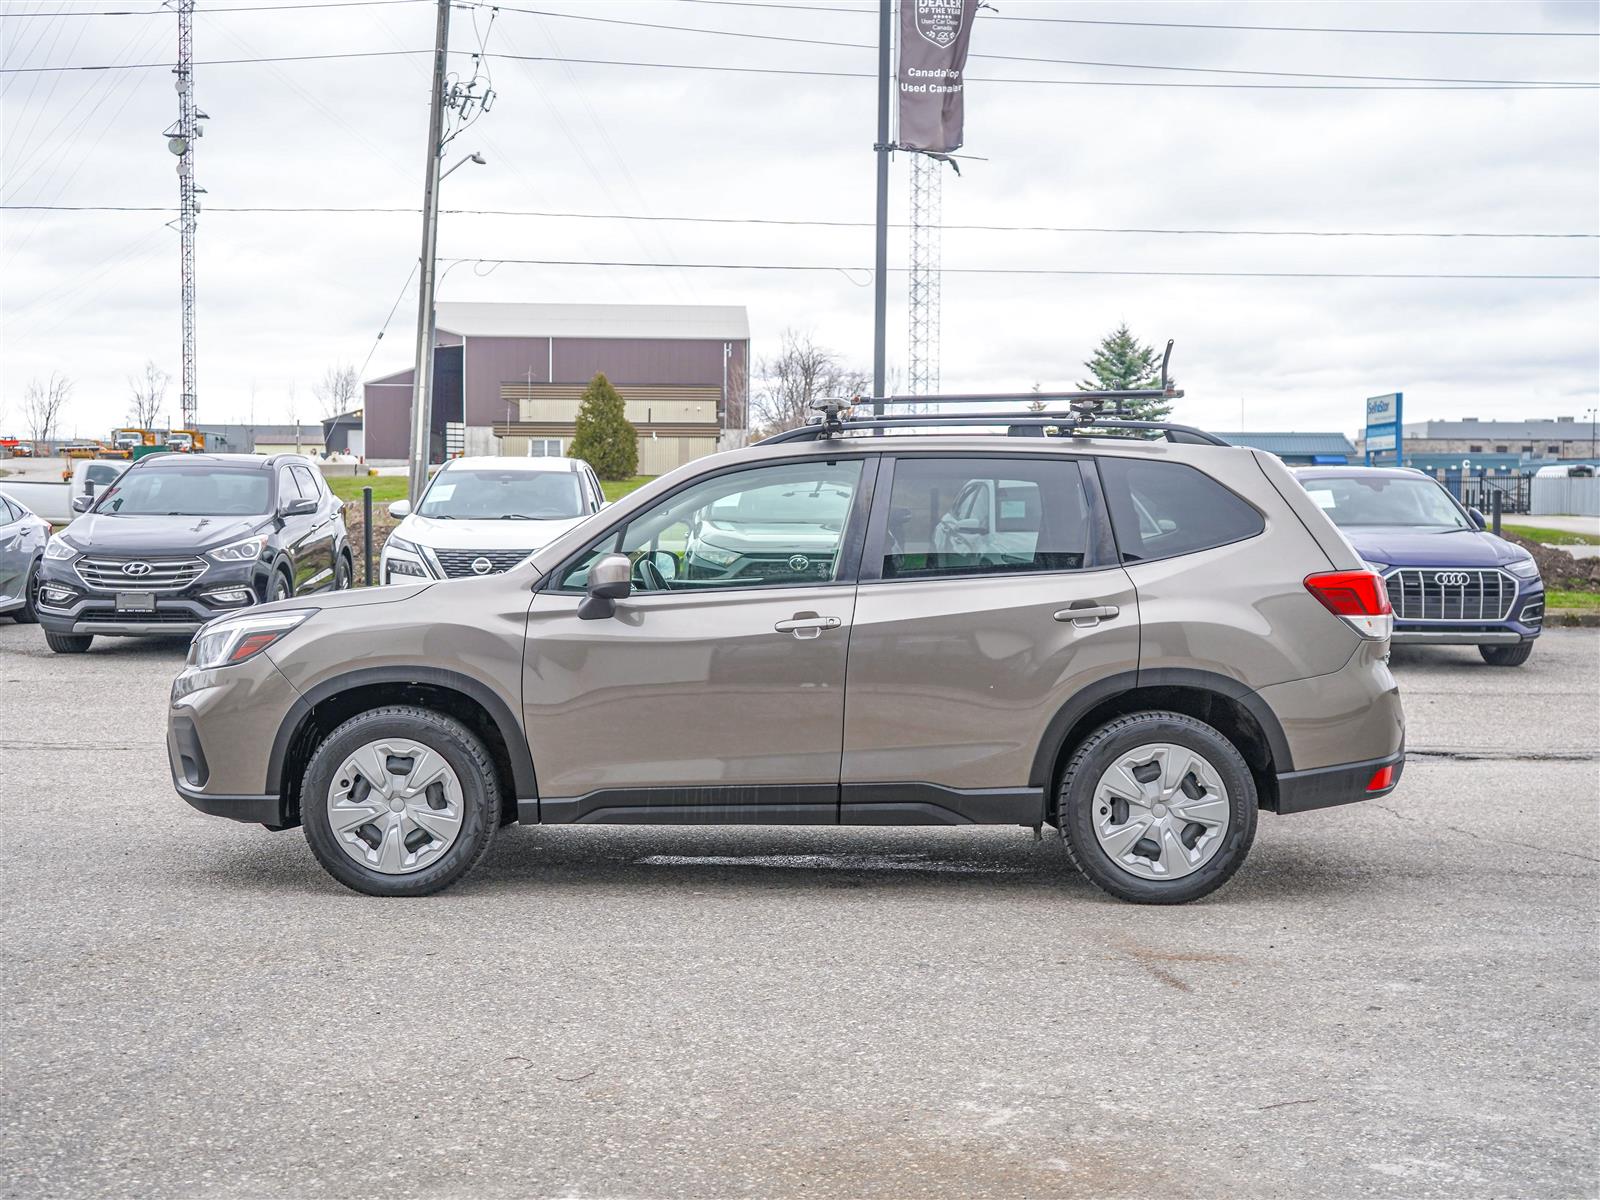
[[180, 539]]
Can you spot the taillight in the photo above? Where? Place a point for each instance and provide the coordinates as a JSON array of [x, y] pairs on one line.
[[1358, 597], [1382, 779]]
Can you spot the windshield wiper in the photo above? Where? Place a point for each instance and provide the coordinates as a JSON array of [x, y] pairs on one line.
[[515, 517]]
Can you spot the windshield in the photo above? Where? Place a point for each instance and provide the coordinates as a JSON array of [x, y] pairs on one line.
[[1386, 500], [192, 492], [487, 494]]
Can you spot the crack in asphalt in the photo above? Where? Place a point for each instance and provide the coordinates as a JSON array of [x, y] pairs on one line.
[[1451, 754], [1478, 838]]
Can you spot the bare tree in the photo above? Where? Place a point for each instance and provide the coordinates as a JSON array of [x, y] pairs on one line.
[[799, 375], [337, 390], [148, 395], [42, 404]]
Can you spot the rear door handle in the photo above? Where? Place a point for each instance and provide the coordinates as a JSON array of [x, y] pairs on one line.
[[1088, 615], [807, 626]]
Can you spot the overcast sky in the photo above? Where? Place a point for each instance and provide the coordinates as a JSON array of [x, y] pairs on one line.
[[284, 295]]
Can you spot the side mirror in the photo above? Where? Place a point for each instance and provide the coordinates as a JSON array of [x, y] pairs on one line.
[[82, 504], [610, 580], [400, 509], [298, 508], [1478, 518]]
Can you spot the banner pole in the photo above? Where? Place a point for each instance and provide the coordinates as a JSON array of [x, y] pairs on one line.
[[880, 274]]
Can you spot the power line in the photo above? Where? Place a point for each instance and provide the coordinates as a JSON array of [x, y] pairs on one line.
[[831, 74], [167, 12], [818, 223], [1028, 58], [848, 270], [768, 4]]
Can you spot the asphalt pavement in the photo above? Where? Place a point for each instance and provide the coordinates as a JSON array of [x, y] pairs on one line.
[[1397, 998]]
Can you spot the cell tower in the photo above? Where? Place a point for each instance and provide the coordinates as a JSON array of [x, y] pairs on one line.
[[922, 295], [181, 136]]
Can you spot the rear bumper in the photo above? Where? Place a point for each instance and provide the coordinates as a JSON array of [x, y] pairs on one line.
[[1327, 787]]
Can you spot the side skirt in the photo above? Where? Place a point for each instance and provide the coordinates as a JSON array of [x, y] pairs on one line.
[[791, 804]]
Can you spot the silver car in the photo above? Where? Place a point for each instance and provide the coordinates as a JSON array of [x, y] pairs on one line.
[[22, 540]]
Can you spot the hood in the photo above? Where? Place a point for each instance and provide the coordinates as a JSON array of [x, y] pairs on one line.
[[97, 533], [1399, 546], [483, 535], [754, 537]]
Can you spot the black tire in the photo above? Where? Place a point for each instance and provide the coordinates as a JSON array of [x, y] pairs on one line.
[[343, 573], [68, 643], [1507, 656], [472, 763], [281, 588], [1099, 751], [28, 614]]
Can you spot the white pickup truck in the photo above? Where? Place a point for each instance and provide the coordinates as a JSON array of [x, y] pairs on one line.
[[52, 500]]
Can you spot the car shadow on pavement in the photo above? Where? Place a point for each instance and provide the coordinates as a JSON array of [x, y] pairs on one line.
[[528, 860]]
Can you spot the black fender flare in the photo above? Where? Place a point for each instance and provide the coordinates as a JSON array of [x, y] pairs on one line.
[[1098, 692], [499, 711]]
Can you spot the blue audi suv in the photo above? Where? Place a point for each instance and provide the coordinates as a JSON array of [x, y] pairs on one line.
[[1450, 581]]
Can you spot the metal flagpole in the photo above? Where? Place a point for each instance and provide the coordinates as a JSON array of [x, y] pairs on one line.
[[880, 275], [422, 382]]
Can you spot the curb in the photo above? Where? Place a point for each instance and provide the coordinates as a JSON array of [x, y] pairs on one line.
[[1572, 617]]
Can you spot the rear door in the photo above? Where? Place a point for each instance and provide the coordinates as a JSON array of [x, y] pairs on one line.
[[321, 542], [990, 595]]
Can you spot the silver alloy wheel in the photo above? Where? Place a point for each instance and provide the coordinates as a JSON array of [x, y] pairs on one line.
[[1160, 811], [395, 806]]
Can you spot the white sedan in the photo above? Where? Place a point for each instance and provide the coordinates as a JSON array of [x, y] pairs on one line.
[[481, 516]]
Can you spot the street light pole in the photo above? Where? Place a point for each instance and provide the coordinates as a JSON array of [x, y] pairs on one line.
[[422, 378]]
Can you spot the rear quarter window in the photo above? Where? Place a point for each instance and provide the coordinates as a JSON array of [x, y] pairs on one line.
[[1163, 509]]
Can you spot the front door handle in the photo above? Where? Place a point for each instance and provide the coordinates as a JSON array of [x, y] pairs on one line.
[[807, 625], [1087, 616]]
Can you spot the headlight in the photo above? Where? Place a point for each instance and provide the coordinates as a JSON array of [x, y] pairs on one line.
[[1379, 567], [247, 550], [400, 544], [234, 640], [715, 554], [58, 550], [1524, 567]]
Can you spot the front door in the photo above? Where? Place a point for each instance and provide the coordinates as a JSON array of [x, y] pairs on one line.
[[990, 595], [715, 693], [315, 557]]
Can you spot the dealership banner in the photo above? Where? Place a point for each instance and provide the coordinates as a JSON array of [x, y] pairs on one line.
[[933, 60]]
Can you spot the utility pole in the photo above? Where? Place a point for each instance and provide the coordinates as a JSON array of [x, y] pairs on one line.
[[880, 274], [422, 383], [180, 140]]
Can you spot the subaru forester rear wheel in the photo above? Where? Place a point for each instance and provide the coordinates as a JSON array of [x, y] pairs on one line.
[[1157, 808], [400, 801]]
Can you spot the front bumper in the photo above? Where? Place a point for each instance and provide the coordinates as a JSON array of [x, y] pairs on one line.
[[67, 605], [220, 739]]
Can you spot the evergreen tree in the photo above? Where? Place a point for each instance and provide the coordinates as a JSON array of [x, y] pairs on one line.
[[603, 436], [1122, 362]]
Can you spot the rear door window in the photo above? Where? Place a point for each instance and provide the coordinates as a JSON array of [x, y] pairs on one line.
[[982, 516], [1163, 509]]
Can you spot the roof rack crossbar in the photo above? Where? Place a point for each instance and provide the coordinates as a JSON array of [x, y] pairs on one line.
[[1068, 424]]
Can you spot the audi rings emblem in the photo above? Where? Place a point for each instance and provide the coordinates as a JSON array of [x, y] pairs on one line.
[[798, 562], [137, 568], [1452, 578], [481, 566]]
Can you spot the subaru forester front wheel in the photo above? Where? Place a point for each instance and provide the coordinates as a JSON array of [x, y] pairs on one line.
[[1157, 808], [400, 801]]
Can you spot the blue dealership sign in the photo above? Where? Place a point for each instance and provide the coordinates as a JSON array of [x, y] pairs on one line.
[[1383, 433]]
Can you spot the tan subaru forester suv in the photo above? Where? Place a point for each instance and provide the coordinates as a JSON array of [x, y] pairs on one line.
[[1138, 642]]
